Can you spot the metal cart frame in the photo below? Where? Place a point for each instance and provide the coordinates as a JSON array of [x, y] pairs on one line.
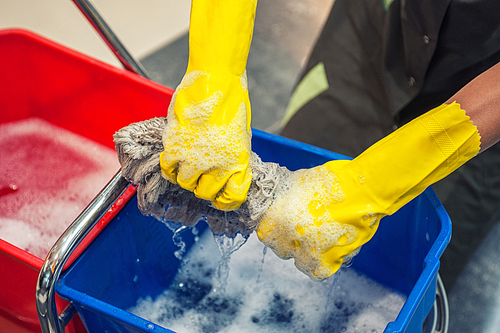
[[53, 322]]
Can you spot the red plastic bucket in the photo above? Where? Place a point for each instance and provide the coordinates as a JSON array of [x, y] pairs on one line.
[[43, 79]]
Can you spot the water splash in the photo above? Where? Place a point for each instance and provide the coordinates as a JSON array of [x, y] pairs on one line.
[[333, 293], [196, 234], [227, 246], [177, 239], [261, 269], [177, 229]]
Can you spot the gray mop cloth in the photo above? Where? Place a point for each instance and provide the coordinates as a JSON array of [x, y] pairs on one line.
[[139, 146]]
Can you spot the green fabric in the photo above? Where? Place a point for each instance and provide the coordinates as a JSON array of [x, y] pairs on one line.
[[386, 4], [313, 84]]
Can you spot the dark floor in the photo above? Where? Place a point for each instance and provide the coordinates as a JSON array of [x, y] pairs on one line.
[[475, 298], [285, 32]]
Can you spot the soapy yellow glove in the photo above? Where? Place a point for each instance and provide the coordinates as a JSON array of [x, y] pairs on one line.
[[333, 209], [207, 137]]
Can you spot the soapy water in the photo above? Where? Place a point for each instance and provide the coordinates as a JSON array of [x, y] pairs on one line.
[[177, 229], [227, 246], [56, 174], [268, 295]]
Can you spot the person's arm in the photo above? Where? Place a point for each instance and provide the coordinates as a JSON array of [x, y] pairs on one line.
[[207, 136], [333, 209], [481, 101]]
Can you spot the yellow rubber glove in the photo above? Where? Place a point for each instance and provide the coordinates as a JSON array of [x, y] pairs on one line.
[[332, 210], [207, 137]]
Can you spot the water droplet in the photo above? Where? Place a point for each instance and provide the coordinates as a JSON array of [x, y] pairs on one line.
[[4, 190], [177, 239]]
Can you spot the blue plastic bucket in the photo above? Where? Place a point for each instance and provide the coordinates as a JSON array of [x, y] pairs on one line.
[[108, 278]]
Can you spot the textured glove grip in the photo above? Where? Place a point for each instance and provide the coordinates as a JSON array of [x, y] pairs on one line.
[[441, 138]]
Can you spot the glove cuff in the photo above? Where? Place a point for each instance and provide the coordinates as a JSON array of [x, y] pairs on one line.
[[220, 35], [454, 134], [402, 165]]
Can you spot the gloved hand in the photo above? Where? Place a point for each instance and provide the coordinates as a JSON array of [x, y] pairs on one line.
[[333, 209], [207, 137]]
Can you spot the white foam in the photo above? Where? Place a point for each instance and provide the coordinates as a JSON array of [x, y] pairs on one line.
[[57, 173], [276, 298], [24, 235], [299, 224], [197, 146]]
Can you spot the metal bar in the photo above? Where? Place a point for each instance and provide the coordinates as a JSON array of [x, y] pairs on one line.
[[443, 307], [65, 245], [110, 38], [67, 314], [76, 232]]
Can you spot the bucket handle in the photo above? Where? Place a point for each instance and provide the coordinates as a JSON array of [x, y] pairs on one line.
[[62, 249], [96, 20], [50, 321]]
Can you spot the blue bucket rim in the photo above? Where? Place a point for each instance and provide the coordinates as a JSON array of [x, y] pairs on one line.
[[430, 271]]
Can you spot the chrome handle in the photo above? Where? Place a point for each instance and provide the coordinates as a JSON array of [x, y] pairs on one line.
[[65, 245], [110, 38]]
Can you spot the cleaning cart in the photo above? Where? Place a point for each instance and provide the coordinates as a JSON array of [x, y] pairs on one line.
[[90, 267]]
